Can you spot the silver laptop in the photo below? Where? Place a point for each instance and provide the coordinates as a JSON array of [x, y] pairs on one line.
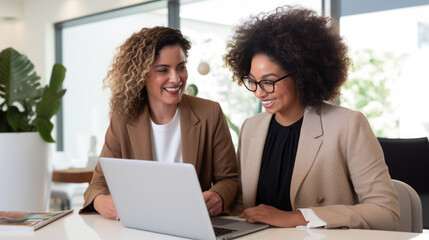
[[166, 198]]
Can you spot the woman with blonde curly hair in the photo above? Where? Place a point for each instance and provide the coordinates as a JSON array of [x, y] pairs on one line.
[[305, 161], [151, 119]]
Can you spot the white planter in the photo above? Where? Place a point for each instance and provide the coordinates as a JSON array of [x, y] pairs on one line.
[[25, 172]]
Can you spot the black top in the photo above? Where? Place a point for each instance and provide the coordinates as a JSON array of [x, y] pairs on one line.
[[277, 164]]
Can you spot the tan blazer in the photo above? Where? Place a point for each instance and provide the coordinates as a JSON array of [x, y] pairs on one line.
[[206, 144], [339, 169]]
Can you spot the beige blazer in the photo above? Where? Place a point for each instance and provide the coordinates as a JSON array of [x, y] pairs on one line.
[[206, 144], [339, 169]]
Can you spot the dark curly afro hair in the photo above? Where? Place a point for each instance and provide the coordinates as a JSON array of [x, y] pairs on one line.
[[304, 44]]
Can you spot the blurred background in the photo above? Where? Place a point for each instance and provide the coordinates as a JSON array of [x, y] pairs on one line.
[[388, 41]]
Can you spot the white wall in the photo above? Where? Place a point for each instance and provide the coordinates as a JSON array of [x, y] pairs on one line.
[[31, 32], [10, 23]]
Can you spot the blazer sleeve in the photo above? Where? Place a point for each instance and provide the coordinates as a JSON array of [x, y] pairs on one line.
[[98, 185], [377, 206], [225, 174]]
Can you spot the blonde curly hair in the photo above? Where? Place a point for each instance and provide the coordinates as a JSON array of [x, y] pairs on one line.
[[130, 66]]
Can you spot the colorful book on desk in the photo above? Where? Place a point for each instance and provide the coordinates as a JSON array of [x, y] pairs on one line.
[[28, 221]]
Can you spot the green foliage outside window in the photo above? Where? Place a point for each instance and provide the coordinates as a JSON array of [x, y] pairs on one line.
[[371, 89]]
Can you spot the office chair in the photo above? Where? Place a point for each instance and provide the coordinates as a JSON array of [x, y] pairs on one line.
[[410, 208], [408, 161]]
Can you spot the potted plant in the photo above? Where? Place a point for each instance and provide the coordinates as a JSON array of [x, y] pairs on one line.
[[26, 109]]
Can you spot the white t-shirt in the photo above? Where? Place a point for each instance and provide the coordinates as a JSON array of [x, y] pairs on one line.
[[166, 140]]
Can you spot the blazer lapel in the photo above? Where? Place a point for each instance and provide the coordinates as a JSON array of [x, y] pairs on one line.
[[309, 144], [251, 162], [139, 131], [190, 128]]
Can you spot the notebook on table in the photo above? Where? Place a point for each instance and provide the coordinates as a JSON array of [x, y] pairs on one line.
[[166, 198]]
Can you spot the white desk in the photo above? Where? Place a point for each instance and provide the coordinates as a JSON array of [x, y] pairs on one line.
[[75, 226]]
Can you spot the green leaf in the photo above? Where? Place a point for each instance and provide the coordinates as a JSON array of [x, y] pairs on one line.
[[57, 77], [50, 104], [51, 100], [19, 86], [13, 118], [18, 80], [44, 127], [26, 105], [17, 120], [4, 125]]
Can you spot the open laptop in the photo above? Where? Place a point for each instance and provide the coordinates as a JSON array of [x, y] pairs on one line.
[[166, 198]]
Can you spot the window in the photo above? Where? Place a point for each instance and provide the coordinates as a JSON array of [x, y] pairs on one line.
[[88, 45], [87, 52], [389, 80], [208, 31]]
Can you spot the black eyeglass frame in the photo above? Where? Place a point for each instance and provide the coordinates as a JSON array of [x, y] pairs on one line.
[[260, 83]]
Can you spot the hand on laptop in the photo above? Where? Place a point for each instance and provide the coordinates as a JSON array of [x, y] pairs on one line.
[[273, 216], [103, 204], [214, 203]]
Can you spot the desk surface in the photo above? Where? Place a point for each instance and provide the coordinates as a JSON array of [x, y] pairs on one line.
[[75, 226]]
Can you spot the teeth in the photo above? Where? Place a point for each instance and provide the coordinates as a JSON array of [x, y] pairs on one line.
[[172, 89], [267, 102]]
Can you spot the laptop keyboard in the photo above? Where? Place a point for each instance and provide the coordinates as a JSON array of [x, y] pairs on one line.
[[222, 231]]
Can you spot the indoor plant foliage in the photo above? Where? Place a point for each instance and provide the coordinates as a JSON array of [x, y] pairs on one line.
[[25, 105]]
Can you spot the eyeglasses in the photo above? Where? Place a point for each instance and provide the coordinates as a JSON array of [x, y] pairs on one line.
[[267, 86]]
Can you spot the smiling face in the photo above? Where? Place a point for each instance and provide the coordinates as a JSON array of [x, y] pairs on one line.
[[166, 81], [284, 101]]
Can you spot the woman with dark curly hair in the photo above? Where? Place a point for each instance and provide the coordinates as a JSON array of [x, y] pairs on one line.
[[151, 119], [305, 161]]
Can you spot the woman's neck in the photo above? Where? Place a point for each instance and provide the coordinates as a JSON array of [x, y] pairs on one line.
[[291, 116], [162, 114]]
